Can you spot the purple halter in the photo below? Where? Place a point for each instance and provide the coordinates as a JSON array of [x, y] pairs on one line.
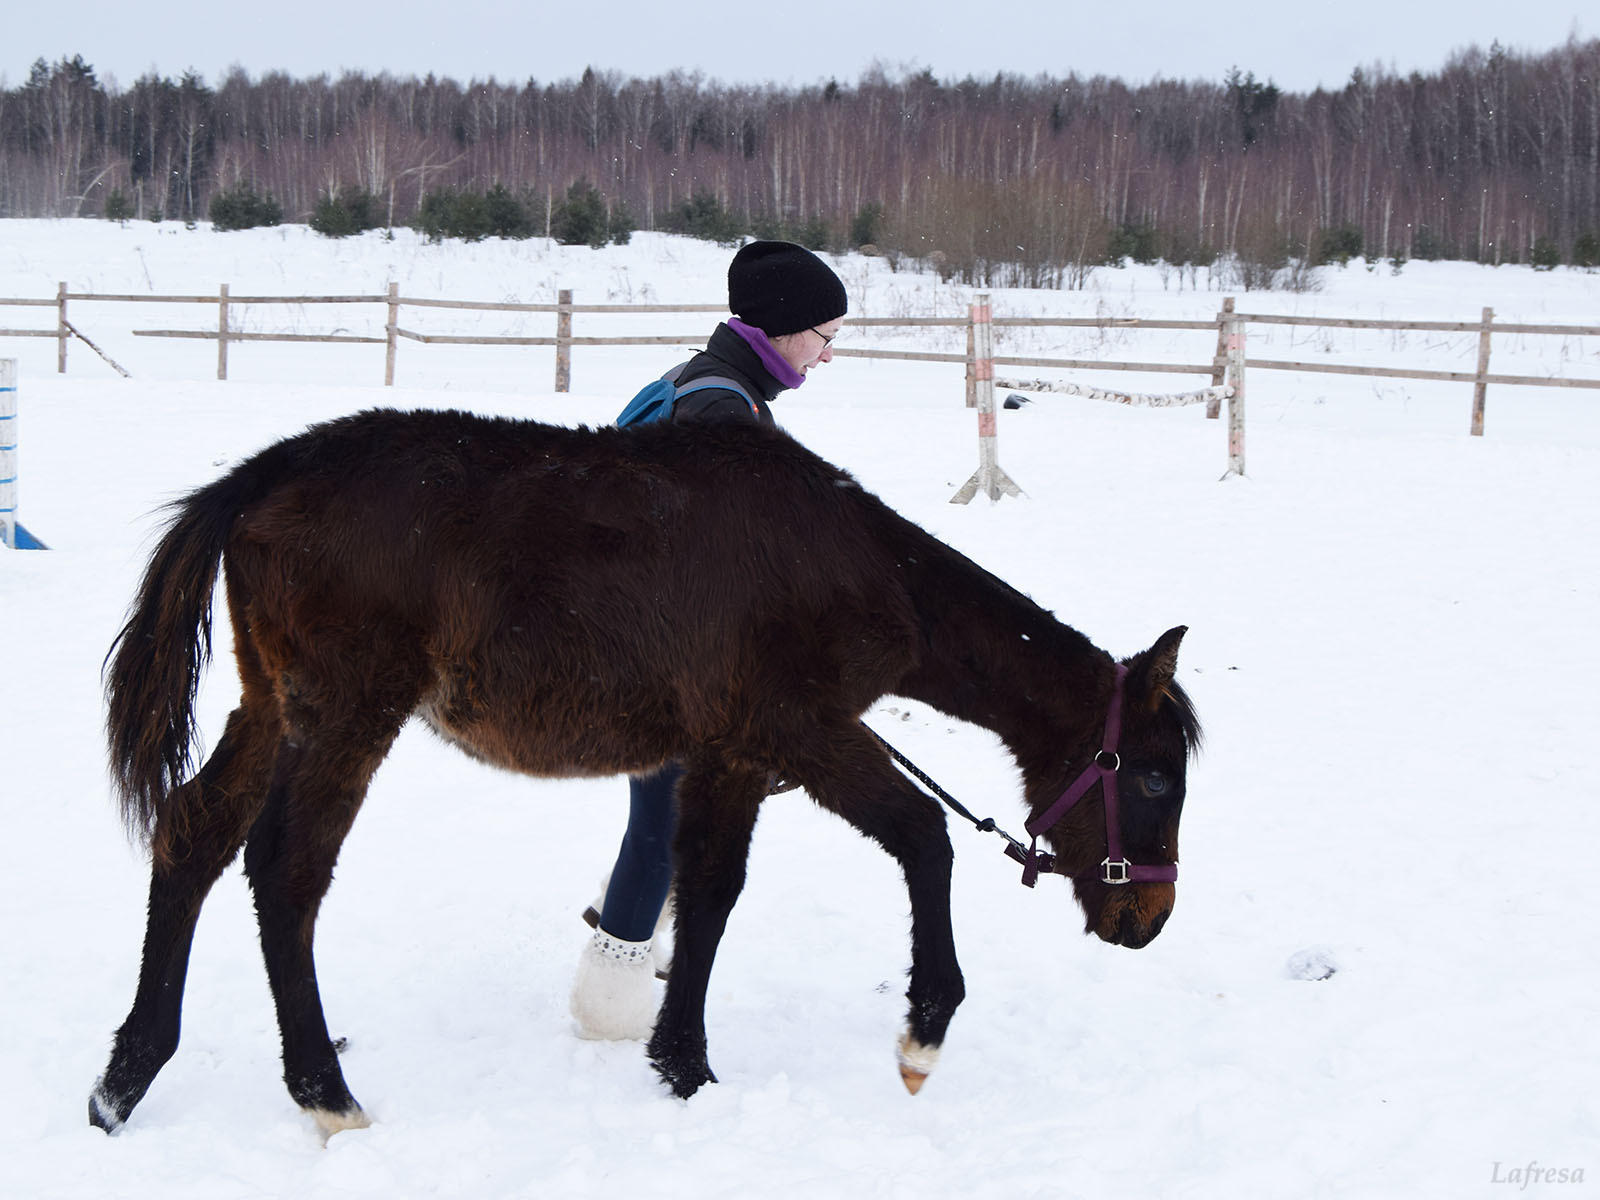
[[1103, 770]]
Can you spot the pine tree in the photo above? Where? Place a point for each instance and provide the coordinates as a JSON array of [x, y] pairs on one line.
[[242, 207], [118, 207], [581, 219]]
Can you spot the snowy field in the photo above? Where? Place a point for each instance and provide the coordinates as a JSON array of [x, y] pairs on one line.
[[1392, 645]]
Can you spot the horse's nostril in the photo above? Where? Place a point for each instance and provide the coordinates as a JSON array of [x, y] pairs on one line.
[[1128, 928], [1133, 933]]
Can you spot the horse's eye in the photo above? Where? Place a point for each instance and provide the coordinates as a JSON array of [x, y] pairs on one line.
[[1154, 783]]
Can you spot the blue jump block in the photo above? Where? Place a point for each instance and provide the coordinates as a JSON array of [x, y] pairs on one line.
[[26, 540]]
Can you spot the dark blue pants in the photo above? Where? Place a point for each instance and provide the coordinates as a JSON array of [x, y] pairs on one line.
[[643, 874]]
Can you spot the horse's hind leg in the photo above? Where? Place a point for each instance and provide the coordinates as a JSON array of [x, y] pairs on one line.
[[198, 833], [317, 788]]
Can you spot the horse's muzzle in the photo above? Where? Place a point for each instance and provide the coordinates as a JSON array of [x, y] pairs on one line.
[[1134, 914]]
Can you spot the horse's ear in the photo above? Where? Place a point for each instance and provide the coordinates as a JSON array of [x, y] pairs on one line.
[[1155, 669]]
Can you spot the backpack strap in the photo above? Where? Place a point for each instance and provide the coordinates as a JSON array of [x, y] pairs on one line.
[[706, 383]]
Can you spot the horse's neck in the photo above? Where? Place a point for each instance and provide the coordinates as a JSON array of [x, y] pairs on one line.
[[990, 655]]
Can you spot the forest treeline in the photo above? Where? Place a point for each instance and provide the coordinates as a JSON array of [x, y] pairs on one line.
[[1494, 157]]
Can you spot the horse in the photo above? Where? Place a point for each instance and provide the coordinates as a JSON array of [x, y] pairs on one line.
[[589, 602]]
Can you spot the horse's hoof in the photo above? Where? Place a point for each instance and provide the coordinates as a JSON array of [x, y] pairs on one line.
[[103, 1113], [686, 1084], [916, 1062], [331, 1123], [685, 1074], [686, 1081]]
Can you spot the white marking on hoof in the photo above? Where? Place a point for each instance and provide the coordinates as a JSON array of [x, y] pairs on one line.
[[916, 1062], [334, 1122], [104, 1111]]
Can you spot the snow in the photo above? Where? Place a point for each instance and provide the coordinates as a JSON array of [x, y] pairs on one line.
[[1379, 979]]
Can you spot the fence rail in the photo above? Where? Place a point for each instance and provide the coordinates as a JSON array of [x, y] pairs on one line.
[[1434, 326], [1229, 358]]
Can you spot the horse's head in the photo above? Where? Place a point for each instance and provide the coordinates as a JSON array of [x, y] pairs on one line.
[[1123, 874]]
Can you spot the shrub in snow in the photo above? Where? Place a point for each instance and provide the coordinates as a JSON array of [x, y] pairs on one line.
[[242, 207]]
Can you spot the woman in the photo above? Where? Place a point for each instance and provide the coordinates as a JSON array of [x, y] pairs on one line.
[[787, 307]]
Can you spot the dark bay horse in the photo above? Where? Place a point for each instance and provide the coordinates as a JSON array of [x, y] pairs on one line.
[[590, 602]]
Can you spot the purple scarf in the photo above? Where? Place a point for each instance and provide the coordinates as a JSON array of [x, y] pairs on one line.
[[767, 353]]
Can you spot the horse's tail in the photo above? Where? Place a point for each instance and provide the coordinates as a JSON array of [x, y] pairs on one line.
[[156, 661]]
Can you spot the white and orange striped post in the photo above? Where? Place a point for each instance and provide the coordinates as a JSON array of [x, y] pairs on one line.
[[989, 478]]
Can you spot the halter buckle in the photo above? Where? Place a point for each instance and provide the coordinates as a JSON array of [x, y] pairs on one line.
[[1033, 860], [1116, 872]]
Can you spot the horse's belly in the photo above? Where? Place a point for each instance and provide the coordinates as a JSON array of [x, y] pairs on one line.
[[542, 741]]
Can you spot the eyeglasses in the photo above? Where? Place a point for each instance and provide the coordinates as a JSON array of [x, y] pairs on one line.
[[827, 339]]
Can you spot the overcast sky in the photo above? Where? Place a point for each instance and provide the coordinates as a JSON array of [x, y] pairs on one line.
[[1297, 45]]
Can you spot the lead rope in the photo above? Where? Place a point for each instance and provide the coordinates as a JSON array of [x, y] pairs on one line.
[[1032, 860]]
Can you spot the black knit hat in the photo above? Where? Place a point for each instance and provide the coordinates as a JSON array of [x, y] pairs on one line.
[[782, 288]]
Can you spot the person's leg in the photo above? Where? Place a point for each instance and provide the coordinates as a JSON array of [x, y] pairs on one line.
[[613, 995], [643, 872]]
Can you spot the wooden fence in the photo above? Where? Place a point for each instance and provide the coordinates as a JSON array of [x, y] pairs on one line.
[[1229, 360]]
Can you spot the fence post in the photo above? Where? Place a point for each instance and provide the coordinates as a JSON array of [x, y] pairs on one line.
[[8, 452], [391, 334], [972, 359], [61, 328], [989, 478], [1236, 363], [1219, 364], [1481, 387], [564, 340], [222, 333]]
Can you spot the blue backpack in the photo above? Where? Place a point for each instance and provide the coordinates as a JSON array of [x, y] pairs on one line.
[[656, 401]]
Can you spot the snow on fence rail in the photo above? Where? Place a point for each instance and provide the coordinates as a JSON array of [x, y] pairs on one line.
[[1230, 357], [1136, 399]]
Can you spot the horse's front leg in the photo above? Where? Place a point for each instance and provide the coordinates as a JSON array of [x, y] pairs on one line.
[[717, 812], [936, 988], [857, 781]]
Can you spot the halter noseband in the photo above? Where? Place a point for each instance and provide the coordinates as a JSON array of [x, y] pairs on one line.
[[1102, 770]]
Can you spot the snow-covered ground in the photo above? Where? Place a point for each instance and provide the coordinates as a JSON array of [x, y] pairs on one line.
[[1392, 644]]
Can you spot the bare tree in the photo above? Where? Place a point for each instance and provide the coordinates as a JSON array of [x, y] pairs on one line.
[[1482, 157]]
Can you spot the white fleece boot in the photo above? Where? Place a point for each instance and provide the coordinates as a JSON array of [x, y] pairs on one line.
[[613, 994]]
